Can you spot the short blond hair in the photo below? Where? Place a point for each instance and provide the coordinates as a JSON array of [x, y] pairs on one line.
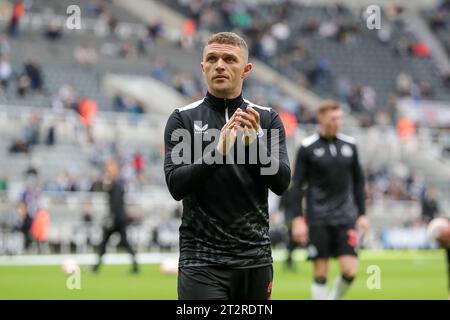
[[328, 105], [228, 38]]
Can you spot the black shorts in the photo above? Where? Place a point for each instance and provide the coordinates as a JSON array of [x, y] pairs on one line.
[[220, 283], [332, 241]]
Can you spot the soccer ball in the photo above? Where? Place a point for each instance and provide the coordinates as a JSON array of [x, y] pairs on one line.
[[69, 266], [169, 266], [436, 228]]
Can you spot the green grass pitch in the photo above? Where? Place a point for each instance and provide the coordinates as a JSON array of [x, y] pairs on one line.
[[404, 275]]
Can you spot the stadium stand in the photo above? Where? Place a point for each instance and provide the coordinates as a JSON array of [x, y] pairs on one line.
[[325, 49]]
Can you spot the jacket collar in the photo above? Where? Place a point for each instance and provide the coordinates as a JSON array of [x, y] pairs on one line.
[[221, 104], [327, 138]]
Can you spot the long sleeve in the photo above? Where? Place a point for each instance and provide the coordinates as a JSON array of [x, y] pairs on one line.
[[359, 193], [299, 181], [183, 178], [276, 173]]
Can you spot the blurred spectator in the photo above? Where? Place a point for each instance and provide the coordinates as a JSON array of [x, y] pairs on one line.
[[66, 98], [31, 171], [421, 49], [95, 8], [18, 11], [425, 90], [430, 206], [5, 72], [32, 130], [186, 85], [88, 222], [31, 195], [5, 47], [281, 31], [403, 48], [405, 128], [319, 76], [53, 32], [23, 223], [127, 50], [51, 136], [437, 21], [86, 55], [385, 34], [328, 29], [97, 184], [160, 70], [4, 183], [23, 86], [19, 146], [289, 121], [138, 164], [87, 109], [66, 183], [33, 71], [153, 32], [40, 227], [404, 84], [110, 21]]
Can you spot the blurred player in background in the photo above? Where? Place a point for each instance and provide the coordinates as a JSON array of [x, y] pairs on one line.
[[225, 248], [439, 231], [328, 166], [118, 219], [288, 201]]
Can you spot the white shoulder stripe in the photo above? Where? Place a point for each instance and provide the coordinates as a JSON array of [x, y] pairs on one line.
[[346, 138], [257, 106], [310, 140], [191, 106]]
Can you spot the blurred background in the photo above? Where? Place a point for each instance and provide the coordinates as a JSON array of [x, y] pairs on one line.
[[71, 99]]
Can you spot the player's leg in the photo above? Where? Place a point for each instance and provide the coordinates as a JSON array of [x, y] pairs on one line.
[[319, 288], [348, 261], [107, 232], [291, 246], [319, 252], [204, 283], [252, 283], [128, 247]]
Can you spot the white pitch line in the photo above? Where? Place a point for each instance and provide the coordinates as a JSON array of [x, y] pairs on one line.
[[158, 257], [84, 259]]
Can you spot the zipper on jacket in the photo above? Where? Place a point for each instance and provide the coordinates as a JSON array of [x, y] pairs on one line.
[[226, 112]]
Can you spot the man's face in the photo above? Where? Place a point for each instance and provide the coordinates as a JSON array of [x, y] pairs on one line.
[[112, 169], [331, 121], [225, 67]]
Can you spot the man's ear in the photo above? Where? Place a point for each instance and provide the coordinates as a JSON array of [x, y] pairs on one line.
[[202, 67], [247, 70], [319, 117]]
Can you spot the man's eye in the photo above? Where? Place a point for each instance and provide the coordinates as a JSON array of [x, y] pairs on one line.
[[211, 59], [229, 59]]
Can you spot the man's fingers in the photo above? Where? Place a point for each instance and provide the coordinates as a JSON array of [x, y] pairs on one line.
[[246, 122], [249, 117], [253, 112], [232, 119]]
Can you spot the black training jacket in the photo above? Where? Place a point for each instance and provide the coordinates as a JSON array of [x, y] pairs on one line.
[[225, 211], [328, 172]]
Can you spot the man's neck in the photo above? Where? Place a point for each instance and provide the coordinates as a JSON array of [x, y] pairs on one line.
[[225, 95], [222, 103], [325, 134]]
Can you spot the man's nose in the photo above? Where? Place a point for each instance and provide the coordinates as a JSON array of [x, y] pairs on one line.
[[219, 65]]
